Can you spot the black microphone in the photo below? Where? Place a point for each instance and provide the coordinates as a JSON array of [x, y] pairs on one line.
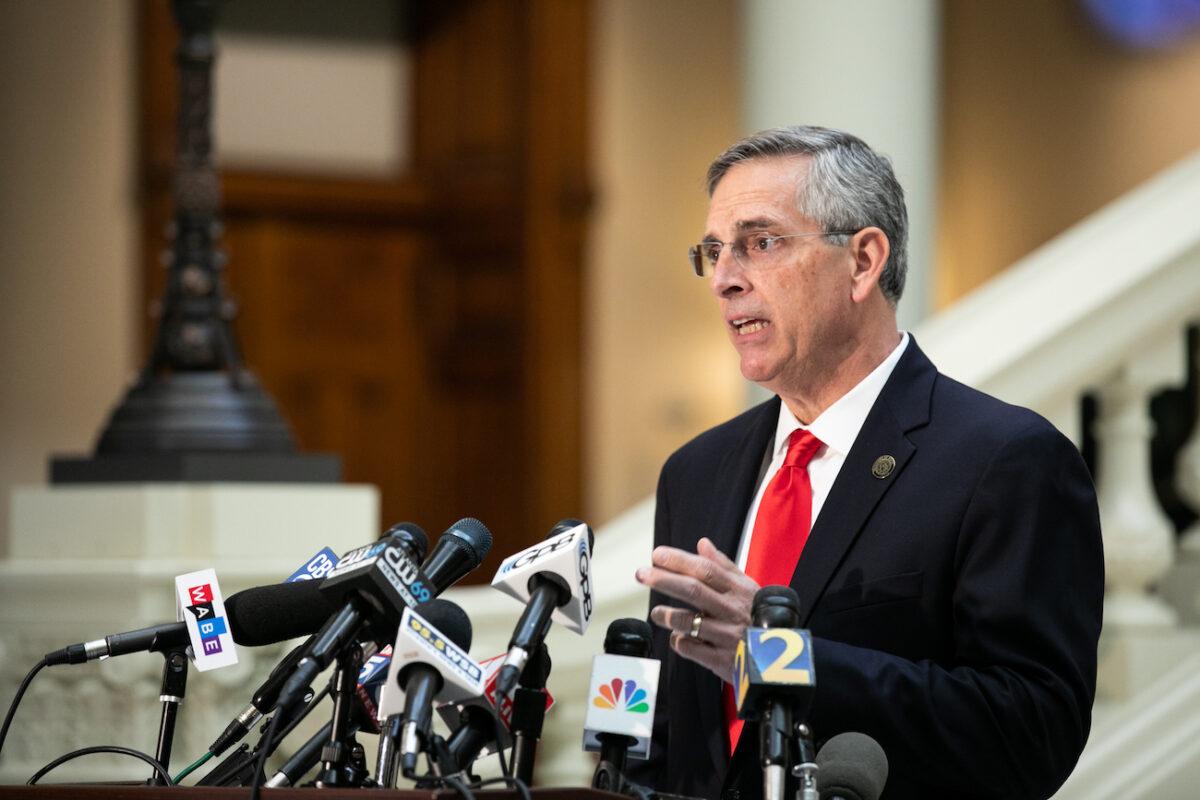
[[423, 680], [551, 587], [409, 536], [300, 762], [851, 766], [529, 713], [477, 727], [373, 585], [461, 549], [625, 637], [259, 616], [773, 696]]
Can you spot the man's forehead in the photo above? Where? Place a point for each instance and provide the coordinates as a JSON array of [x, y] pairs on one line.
[[757, 193]]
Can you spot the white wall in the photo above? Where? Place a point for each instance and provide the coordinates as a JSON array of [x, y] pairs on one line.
[[659, 368], [68, 229]]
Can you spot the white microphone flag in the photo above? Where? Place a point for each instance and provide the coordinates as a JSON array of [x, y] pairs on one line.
[[621, 700], [419, 642], [567, 558]]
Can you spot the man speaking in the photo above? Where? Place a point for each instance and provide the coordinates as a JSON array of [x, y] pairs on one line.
[[945, 546]]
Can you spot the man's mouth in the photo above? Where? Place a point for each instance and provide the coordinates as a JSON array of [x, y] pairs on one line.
[[748, 325]]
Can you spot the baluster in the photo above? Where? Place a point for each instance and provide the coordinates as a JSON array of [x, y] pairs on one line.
[[1185, 585], [1139, 540]]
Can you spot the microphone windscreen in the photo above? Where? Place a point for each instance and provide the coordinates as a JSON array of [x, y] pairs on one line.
[[564, 525], [413, 535], [448, 618], [775, 607], [851, 765], [269, 614], [628, 637], [475, 534]]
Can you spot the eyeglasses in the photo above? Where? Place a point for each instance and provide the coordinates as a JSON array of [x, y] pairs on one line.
[[753, 250]]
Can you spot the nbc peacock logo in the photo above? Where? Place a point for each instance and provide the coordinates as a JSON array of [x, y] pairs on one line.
[[611, 694]]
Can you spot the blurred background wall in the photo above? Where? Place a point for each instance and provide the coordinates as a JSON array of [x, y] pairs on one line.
[[1039, 119]]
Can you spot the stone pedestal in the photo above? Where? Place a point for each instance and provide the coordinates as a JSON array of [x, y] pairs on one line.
[[85, 561]]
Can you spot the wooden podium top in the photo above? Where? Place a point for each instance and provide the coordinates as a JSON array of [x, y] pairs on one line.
[[141, 792]]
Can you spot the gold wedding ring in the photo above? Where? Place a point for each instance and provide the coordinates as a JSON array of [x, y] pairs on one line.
[[696, 620]]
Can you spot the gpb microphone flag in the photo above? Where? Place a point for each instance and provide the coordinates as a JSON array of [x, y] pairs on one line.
[[565, 556], [621, 699]]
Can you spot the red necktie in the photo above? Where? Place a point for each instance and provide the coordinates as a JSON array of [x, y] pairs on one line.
[[780, 531]]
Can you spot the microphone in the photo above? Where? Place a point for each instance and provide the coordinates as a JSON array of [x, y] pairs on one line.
[[851, 766], [472, 726], [372, 584], [553, 578], [259, 616], [626, 645], [460, 549], [408, 536], [773, 677], [429, 663]]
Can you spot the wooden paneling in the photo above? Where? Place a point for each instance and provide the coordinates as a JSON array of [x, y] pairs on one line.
[[427, 328]]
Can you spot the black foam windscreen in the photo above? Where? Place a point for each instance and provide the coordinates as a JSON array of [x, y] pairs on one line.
[[851, 765], [413, 536], [775, 607], [269, 614], [564, 525], [628, 637], [448, 618]]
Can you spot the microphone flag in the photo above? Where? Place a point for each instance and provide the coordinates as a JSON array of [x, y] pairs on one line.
[[201, 606], [621, 699], [419, 642], [567, 558], [772, 662]]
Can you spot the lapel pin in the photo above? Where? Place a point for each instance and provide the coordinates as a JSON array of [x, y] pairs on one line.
[[883, 467]]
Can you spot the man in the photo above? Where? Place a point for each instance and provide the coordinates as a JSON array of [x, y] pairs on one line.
[[945, 546]]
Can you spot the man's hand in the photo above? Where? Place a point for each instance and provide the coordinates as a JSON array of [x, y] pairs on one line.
[[712, 584]]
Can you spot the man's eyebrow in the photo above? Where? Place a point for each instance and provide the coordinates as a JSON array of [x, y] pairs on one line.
[[756, 224]]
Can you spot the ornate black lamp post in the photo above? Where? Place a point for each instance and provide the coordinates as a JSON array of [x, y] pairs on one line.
[[195, 412]]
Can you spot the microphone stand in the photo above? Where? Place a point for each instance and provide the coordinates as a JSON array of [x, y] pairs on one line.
[[335, 755], [806, 764], [238, 767], [174, 687], [529, 714], [387, 763]]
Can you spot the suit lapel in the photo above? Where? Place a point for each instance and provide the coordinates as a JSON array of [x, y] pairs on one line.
[[902, 406], [735, 482], [737, 478]]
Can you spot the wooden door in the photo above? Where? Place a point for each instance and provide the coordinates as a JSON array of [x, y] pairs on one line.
[[425, 327]]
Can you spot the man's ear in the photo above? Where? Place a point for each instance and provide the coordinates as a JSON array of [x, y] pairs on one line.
[[869, 250]]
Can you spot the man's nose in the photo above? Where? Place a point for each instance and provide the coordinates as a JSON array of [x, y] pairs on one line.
[[728, 275]]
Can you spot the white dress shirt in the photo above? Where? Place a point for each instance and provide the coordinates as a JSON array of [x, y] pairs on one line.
[[837, 427]]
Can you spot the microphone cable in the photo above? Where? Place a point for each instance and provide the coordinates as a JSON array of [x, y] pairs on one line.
[[84, 751], [12, 709]]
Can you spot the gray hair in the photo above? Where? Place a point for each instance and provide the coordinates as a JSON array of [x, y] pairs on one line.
[[849, 187]]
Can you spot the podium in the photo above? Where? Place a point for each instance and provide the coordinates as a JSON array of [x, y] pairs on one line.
[[141, 792]]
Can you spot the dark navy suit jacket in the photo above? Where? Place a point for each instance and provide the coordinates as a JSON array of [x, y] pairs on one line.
[[955, 604]]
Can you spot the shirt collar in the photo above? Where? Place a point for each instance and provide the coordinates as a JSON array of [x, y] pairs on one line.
[[838, 426]]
